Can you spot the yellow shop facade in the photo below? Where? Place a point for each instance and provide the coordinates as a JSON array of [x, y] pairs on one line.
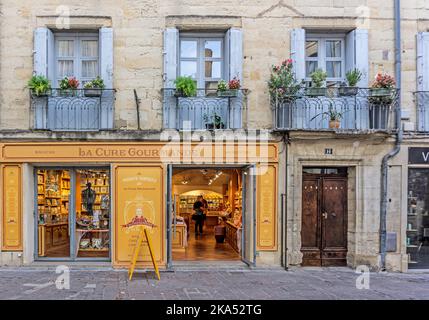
[[77, 201]]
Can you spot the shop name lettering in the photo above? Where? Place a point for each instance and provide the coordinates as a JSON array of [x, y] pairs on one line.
[[425, 156], [113, 153]]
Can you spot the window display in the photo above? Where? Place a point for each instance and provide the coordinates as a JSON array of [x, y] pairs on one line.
[[417, 240], [83, 232]]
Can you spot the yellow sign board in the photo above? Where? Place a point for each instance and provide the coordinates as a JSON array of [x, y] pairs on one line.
[[11, 209], [138, 197], [266, 219]]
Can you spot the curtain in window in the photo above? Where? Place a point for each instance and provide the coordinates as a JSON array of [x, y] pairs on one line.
[[65, 48], [65, 68], [89, 48], [89, 69]]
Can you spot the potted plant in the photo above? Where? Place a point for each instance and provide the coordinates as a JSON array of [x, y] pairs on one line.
[[353, 77], [382, 89], [318, 79], [214, 123], [333, 115], [39, 85], [282, 84], [185, 87], [68, 86], [94, 88], [381, 95]]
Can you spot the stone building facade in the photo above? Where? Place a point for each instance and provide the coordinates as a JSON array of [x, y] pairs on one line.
[[139, 55]]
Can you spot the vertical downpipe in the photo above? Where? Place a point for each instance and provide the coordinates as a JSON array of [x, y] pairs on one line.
[[395, 151]]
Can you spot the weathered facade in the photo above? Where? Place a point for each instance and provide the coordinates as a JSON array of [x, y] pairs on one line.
[[139, 53]]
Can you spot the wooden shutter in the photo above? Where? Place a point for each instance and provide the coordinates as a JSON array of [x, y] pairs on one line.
[[423, 61], [171, 56], [298, 53], [357, 54], [106, 73]]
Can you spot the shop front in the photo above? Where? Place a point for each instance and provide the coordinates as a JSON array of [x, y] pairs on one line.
[[80, 202]]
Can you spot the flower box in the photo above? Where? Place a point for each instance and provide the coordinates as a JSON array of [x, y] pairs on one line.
[[93, 92], [316, 92], [348, 91], [231, 93]]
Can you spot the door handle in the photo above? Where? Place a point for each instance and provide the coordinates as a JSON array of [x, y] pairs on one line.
[[325, 215]]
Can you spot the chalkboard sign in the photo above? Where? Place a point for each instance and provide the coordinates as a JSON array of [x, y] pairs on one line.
[[418, 155]]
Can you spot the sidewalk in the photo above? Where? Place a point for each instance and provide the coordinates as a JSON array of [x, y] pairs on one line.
[[298, 283]]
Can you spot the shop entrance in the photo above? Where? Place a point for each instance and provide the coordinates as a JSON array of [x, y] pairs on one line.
[[211, 214], [324, 217], [73, 213]]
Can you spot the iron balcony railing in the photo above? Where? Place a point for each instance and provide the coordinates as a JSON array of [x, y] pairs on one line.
[[206, 110], [422, 110], [357, 109], [73, 110]]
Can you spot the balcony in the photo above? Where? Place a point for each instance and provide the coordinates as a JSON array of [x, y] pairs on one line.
[[73, 110], [361, 110], [207, 110]]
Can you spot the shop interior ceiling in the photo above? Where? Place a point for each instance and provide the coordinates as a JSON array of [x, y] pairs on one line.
[[201, 177]]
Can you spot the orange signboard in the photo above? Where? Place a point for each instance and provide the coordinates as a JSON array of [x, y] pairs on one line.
[[266, 219], [11, 209], [138, 201]]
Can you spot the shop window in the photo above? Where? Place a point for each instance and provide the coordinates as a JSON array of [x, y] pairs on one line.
[[74, 213], [417, 240]]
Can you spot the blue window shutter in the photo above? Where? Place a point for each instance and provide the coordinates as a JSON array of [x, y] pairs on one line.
[[41, 51], [171, 48], [357, 54], [106, 56], [423, 61], [298, 53], [234, 66], [235, 37], [171, 57], [106, 73]]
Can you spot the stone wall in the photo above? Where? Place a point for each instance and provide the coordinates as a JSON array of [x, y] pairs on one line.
[[138, 27]]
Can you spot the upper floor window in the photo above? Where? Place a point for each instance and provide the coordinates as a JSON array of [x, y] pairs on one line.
[[202, 58], [77, 55], [326, 53]]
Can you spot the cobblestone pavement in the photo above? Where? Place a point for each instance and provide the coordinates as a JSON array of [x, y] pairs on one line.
[[299, 283]]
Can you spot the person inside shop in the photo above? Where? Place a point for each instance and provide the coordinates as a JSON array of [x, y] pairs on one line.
[[88, 198], [198, 216]]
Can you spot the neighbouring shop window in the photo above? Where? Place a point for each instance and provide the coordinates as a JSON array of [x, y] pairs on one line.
[[326, 53], [202, 58], [73, 213], [76, 55], [417, 240]]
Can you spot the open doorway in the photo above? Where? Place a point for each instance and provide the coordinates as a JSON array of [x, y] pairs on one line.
[[220, 191]]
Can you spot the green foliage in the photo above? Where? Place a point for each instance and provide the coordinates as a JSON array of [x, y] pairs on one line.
[[39, 85], [222, 85], [97, 83], [331, 114], [186, 86], [353, 77], [282, 81], [318, 78]]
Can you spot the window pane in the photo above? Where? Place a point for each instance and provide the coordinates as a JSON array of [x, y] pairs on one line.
[[65, 48], [311, 48], [333, 48], [213, 49], [333, 68], [65, 68], [188, 69], [89, 48], [188, 49], [311, 66], [89, 68], [213, 69]]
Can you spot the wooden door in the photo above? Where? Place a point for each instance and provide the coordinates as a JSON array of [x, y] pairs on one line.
[[324, 220]]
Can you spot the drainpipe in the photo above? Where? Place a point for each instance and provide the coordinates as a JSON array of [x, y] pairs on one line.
[[396, 149]]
